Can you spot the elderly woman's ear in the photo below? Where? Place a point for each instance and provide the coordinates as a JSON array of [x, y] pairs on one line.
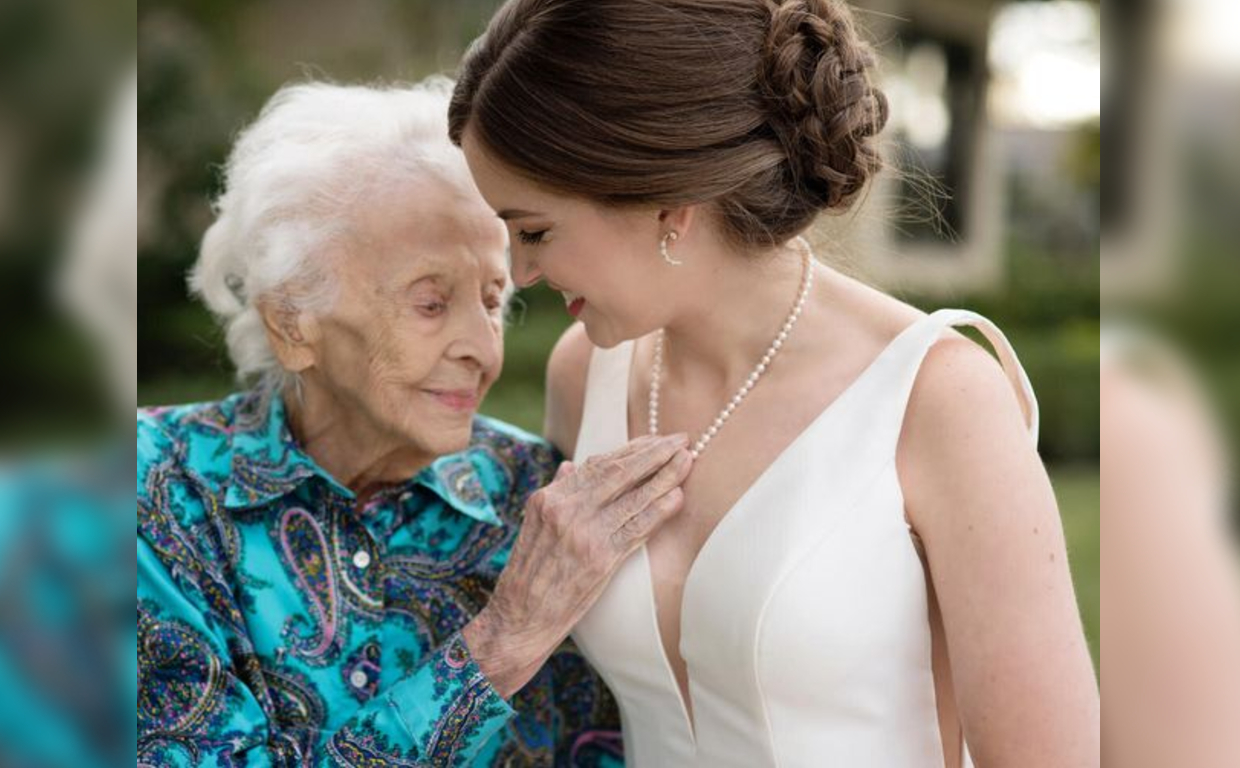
[[292, 332]]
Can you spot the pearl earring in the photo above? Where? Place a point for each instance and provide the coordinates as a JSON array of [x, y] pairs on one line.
[[669, 237]]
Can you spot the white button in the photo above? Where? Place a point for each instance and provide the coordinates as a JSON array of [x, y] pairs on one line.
[[358, 679], [361, 558]]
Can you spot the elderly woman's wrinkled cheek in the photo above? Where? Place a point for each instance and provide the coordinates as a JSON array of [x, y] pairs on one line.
[[405, 357], [430, 378]]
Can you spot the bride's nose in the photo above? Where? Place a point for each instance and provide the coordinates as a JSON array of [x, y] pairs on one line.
[[525, 271]]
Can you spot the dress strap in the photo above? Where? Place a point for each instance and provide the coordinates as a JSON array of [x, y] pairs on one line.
[[923, 334]]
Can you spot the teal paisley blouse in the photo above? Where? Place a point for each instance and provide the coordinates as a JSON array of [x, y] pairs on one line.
[[280, 624]]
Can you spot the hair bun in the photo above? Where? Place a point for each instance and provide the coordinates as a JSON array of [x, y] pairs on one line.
[[816, 75]]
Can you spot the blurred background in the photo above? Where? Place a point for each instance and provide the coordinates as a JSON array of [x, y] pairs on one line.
[[995, 103], [62, 63], [1170, 256], [1169, 282]]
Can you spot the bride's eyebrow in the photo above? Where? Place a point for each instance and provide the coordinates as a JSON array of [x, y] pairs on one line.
[[509, 214]]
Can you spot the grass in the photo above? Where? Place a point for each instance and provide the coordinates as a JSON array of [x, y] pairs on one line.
[[1077, 489]]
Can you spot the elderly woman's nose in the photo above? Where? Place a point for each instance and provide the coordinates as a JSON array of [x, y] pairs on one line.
[[477, 338]]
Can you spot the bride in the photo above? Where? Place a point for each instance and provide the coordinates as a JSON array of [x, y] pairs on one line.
[[869, 568]]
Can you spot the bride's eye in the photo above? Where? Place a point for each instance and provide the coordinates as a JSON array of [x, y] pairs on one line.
[[531, 238]]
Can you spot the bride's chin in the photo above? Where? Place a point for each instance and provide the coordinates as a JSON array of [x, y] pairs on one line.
[[606, 335], [598, 336]]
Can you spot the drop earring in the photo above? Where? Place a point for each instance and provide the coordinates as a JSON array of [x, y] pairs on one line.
[[669, 237]]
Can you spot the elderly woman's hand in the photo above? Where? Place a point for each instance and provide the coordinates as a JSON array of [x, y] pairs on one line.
[[577, 531]]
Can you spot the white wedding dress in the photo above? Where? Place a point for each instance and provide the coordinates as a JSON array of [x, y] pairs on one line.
[[804, 622]]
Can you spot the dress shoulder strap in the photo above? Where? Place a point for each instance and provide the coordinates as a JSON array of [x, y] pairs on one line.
[[914, 343], [605, 413]]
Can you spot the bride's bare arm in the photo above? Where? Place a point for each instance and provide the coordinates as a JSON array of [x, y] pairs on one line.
[[566, 388], [978, 496]]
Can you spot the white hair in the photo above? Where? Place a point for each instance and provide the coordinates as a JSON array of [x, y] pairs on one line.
[[291, 185]]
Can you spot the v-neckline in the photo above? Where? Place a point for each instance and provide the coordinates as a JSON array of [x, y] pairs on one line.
[[685, 697]]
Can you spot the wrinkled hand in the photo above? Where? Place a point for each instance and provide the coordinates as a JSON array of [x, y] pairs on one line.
[[577, 532]]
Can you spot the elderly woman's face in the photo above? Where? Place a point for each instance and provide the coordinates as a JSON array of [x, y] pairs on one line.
[[415, 338]]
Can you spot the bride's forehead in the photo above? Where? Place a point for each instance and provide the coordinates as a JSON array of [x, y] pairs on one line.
[[496, 179], [515, 196]]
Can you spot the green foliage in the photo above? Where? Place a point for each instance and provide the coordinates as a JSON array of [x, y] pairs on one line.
[[1077, 490], [535, 323]]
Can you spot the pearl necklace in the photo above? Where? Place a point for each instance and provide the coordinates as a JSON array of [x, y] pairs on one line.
[[656, 368]]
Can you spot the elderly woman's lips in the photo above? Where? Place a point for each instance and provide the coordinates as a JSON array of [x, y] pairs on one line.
[[457, 399]]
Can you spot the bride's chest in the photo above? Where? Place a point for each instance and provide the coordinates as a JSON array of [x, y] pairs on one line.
[[713, 489], [732, 490]]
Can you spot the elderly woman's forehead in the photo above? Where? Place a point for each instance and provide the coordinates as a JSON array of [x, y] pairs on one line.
[[435, 190], [430, 203], [442, 249], [458, 263]]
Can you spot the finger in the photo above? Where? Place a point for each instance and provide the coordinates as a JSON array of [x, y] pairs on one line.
[[616, 473], [590, 467], [638, 528], [564, 470], [669, 476]]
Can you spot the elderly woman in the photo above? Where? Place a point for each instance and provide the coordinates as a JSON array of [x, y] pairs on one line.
[[320, 556]]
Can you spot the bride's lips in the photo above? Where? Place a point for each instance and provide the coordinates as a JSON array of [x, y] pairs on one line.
[[572, 301], [456, 399]]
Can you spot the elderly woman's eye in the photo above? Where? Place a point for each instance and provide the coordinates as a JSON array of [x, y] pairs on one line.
[[531, 238], [433, 308]]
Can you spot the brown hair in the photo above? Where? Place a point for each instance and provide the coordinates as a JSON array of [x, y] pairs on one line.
[[764, 109]]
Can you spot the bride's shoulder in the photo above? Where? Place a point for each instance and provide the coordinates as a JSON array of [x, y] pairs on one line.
[[567, 370], [959, 382]]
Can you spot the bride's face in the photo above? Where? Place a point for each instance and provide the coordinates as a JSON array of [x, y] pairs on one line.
[[604, 261]]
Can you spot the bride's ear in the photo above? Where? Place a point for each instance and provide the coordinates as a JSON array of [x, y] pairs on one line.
[[680, 219]]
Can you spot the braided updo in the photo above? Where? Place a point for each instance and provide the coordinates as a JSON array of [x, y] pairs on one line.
[[765, 110], [824, 107]]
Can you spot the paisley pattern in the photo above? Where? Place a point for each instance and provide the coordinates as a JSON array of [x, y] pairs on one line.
[[281, 623], [181, 685], [308, 557]]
